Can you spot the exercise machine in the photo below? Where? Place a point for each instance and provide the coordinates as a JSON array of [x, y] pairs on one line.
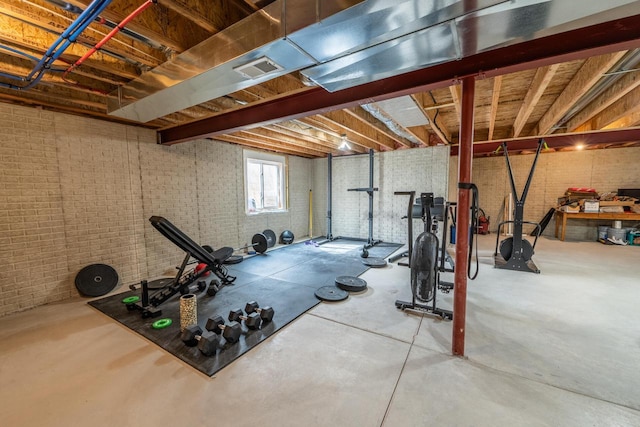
[[431, 210], [425, 263], [370, 241], [515, 252], [148, 303]]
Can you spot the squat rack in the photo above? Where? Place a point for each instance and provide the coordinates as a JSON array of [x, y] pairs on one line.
[[370, 241]]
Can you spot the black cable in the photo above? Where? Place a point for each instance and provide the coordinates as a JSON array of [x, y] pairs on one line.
[[474, 225]]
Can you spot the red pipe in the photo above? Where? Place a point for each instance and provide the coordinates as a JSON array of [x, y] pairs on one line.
[[109, 36], [463, 224]]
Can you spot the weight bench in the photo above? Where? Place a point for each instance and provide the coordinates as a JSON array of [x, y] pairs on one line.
[[212, 260]]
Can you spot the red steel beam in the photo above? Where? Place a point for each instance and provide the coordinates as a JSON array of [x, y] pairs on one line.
[[610, 136], [463, 220], [621, 34]]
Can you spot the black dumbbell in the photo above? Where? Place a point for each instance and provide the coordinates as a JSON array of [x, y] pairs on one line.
[[192, 289], [266, 313], [252, 321], [230, 332], [207, 342], [214, 287]]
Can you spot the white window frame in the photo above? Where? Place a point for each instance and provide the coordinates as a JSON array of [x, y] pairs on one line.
[[271, 159]]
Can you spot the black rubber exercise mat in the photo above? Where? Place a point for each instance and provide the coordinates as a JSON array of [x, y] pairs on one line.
[[285, 279]]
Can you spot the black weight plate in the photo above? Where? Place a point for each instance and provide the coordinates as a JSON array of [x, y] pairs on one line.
[[374, 262], [331, 293], [96, 280], [271, 237], [233, 259], [351, 283], [259, 243]]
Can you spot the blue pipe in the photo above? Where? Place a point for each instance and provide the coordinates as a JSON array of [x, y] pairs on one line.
[[26, 55], [83, 21]]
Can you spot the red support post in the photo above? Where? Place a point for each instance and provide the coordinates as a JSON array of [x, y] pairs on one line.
[[464, 209]]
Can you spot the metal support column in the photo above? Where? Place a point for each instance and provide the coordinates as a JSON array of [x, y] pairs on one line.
[[464, 209], [329, 185]]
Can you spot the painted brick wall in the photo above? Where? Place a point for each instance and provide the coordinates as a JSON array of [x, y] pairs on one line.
[[604, 170], [33, 264], [419, 170], [76, 191]]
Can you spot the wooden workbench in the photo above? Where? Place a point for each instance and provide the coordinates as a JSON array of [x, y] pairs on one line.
[[561, 218]]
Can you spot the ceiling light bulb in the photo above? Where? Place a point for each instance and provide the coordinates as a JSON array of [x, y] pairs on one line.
[[344, 145]]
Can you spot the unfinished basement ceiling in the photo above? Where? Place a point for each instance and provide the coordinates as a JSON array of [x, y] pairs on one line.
[[294, 76]]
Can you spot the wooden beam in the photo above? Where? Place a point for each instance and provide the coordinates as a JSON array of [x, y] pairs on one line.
[[495, 99], [281, 135], [248, 140], [590, 72], [339, 128], [540, 81], [620, 88], [630, 120], [628, 104], [359, 131], [456, 94]]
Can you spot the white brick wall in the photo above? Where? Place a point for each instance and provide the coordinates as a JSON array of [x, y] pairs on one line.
[[419, 170], [604, 170], [76, 191]]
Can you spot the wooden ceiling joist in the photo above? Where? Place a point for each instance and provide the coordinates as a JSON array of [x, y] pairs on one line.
[[539, 83], [495, 99], [590, 72]]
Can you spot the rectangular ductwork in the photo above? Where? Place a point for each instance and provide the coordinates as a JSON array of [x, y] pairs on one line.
[[338, 44]]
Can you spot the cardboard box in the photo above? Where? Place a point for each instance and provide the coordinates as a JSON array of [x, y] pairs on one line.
[[570, 209]]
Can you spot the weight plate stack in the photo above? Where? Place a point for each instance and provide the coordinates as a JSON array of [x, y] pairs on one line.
[[351, 283]]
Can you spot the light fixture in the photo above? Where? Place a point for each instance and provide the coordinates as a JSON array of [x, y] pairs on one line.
[[344, 145], [579, 146]]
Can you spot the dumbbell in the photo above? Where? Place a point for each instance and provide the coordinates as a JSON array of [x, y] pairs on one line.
[[192, 289], [252, 321], [266, 313], [230, 332], [214, 287], [207, 342]]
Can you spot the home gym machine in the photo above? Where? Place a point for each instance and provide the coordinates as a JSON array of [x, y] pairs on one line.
[[370, 241], [436, 211], [515, 253], [148, 304], [425, 262]]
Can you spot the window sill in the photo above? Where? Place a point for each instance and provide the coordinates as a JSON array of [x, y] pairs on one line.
[[279, 211]]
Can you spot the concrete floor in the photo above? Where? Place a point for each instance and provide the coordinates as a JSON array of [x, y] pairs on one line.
[[560, 348]]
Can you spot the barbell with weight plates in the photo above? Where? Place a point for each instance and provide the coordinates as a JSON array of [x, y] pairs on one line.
[[259, 243]]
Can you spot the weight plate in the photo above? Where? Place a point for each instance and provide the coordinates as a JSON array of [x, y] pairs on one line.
[[233, 259], [351, 283], [331, 293], [259, 243], [161, 323], [131, 299], [96, 280], [271, 237], [374, 262]]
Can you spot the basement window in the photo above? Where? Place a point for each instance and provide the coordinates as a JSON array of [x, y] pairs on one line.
[[264, 182]]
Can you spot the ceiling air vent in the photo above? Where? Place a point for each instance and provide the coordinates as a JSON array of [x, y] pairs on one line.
[[257, 68]]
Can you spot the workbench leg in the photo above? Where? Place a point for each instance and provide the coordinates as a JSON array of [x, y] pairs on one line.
[[564, 226]]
